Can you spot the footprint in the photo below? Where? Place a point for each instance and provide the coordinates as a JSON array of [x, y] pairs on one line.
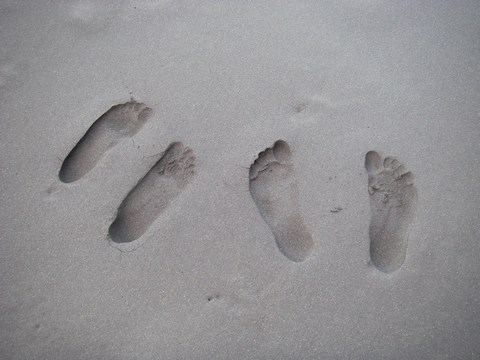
[[393, 198], [274, 191], [121, 121], [153, 193], [91, 16]]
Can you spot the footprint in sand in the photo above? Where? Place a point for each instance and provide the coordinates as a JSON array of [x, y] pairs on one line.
[[120, 122], [153, 193], [393, 198], [274, 191]]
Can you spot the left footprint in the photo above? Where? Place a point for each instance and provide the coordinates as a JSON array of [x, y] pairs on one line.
[[274, 190], [120, 122]]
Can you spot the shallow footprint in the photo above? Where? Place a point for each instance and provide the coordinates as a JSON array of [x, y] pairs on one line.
[[121, 121], [393, 198], [153, 193], [275, 192]]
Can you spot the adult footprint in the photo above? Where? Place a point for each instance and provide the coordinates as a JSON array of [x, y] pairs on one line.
[[153, 193], [275, 192], [393, 198], [121, 121]]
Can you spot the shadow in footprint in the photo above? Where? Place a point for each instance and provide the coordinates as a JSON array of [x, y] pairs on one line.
[[393, 198], [120, 122], [153, 193], [275, 192]]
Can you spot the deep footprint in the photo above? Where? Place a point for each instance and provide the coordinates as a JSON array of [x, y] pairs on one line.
[[153, 193], [275, 192], [121, 121], [393, 199]]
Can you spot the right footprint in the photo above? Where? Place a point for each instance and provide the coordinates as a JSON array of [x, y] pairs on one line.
[[121, 121], [393, 199], [153, 193], [275, 192]]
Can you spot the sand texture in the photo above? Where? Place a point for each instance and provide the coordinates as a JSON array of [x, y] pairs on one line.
[[239, 179]]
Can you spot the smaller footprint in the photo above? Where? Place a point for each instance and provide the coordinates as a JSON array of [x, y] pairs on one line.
[[121, 121], [153, 193], [275, 192], [393, 199]]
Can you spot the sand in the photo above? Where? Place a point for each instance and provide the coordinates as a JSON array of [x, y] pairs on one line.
[[201, 273]]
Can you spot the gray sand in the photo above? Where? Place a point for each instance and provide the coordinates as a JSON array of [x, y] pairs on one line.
[[206, 279]]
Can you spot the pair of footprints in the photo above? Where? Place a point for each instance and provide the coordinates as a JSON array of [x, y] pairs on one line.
[[392, 201], [271, 182], [154, 192]]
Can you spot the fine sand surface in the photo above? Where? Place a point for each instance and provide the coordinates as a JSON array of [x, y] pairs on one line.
[[239, 179]]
